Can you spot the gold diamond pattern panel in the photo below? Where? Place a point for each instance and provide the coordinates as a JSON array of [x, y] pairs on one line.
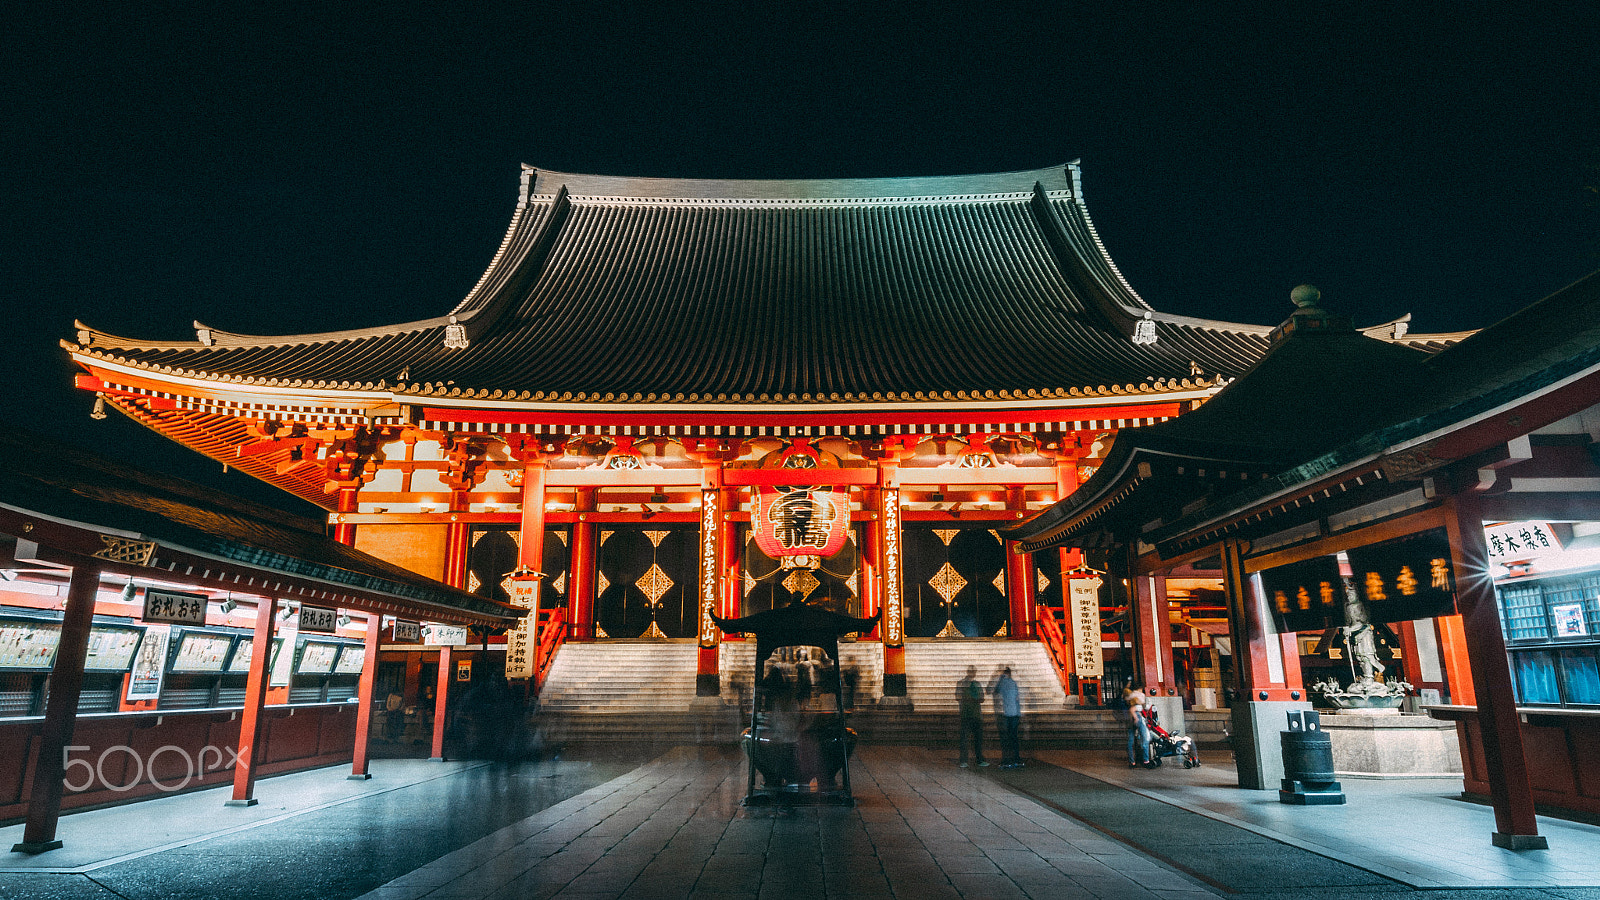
[[947, 534], [473, 583], [560, 584], [1043, 582], [947, 582], [654, 583], [801, 582], [656, 537], [601, 582], [749, 582], [605, 536], [1000, 581]]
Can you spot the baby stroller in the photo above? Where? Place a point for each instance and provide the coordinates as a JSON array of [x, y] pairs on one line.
[[1165, 743]]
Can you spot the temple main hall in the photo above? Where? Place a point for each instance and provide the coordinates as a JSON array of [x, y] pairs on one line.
[[672, 399]]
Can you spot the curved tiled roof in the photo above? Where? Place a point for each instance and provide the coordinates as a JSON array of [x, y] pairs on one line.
[[642, 288]]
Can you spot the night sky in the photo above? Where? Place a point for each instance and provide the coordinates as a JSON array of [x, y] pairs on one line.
[[326, 166]]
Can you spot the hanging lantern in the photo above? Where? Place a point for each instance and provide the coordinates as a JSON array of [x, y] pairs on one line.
[[799, 525]]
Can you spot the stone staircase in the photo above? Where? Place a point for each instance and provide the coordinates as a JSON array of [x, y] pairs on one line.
[[631, 690]]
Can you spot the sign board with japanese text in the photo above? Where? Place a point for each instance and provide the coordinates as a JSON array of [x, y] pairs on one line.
[[174, 608], [1399, 580], [1084, 616], [1511, 541], [317, 618], [407, 632], [1305, 596], [524, 593], [446, 635], [1406, 578]]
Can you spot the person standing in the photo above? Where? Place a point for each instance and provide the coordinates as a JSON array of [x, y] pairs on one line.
[[969, 695], [1138, 730], [1009, 698]]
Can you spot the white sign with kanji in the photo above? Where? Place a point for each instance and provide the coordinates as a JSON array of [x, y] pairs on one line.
[[524, 592], [1520, 540], [1084, 613]]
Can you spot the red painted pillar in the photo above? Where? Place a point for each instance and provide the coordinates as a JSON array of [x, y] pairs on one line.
[[252, 725], [1498, 724], [530, 543], [61, 713], [359, 769], [892, 620], [872, 560], [581, 570], [732, 567], [455, 546], [345, 532], [1019, 578], [1457, 667], [707, 677], [441, 704], [1149, 597]]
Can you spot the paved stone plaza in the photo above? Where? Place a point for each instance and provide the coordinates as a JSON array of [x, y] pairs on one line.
[[642, 822]]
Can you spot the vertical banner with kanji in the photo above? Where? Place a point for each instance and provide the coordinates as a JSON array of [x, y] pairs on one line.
[[519, 656], [1084, 613]]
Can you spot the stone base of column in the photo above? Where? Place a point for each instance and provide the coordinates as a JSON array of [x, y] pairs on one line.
[[251, 802], [35, 846], [894, 684], [1503, 841], [435, 759], [707, 684], [367, 777], [1256, 746], [901, 703]]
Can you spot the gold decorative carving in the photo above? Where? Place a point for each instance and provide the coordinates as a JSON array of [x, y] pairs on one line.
[[947, 582], [801, 582], [654, 584], [123, 550], [947, 534]]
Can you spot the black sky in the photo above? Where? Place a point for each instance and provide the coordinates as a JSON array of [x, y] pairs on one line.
[[283, 168]]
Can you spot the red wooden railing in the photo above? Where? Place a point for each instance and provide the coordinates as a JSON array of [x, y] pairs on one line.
[[1052, 632], [548, 633]]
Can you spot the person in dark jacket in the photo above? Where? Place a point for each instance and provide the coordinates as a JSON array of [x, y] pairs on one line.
[[969, 696]]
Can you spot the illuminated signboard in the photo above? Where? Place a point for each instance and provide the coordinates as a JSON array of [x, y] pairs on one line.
[[1087, 659], [351, 659], [201, 652], [317, 658], [240, 664], [111, 648], [28, 645], [1399, 580]]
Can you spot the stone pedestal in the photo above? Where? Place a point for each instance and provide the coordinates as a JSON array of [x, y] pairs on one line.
[[1256, 727], [1393, 745]]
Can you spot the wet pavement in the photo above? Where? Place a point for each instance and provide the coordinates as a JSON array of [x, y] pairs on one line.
[[635, 820]]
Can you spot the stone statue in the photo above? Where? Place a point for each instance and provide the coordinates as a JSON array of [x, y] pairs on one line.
[[1360, 638]]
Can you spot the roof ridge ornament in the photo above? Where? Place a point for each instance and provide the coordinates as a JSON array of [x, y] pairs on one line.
[[455, 335], [1144, 330]]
